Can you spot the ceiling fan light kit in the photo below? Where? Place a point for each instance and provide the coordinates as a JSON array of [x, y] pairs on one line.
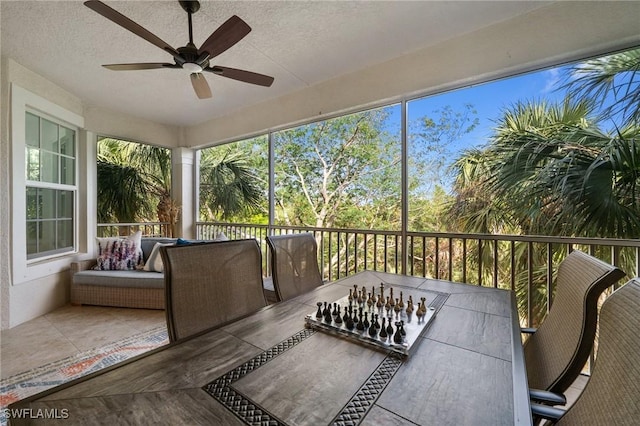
[[189, 58]]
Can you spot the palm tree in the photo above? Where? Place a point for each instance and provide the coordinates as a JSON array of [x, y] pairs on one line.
[[228, 185], [613, 81], [134, 184], [549, 169]]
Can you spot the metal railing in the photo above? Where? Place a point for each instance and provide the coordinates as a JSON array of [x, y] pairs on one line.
[[149, 229], [523, 263]]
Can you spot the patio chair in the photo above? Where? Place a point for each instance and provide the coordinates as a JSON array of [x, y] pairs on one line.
[[294, 264], [610, 397], [210, 284], [557, 351]]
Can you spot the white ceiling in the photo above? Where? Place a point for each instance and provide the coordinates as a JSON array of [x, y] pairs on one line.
[[300, 43]]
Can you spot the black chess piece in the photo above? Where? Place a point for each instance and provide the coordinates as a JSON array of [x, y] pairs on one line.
[[325, 310], [336, 311], [349, 323], [366, 321], [346, 315], [389, 328], [397, 337], [373, 331], [376, 323], [354, 316], [337, 319], [319, 313], [402, 330], [360, 325], [328, 318], [383, 329]]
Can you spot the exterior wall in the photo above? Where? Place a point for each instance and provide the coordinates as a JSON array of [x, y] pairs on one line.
[[560, 32]]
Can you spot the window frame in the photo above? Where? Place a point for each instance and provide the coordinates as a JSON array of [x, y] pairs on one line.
[[23, 101]]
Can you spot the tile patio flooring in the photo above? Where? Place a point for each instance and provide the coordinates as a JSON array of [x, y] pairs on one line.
[[70, 330]]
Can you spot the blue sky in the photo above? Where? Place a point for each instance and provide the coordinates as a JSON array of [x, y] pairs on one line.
[[489, 99]]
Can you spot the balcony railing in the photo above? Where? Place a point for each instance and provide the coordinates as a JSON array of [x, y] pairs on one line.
[[525, 264], [149, 229]]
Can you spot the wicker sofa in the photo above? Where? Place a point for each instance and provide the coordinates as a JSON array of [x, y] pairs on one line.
[[127, 289]]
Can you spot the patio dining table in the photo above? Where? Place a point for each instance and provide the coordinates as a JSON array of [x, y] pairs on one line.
[[464, 367]]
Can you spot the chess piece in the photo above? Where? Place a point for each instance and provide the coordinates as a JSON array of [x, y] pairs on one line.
[[383, 329], [325, 310], [397, 337], [360, 297], [319, 313], [366, 321], [419, 311], [391, 301], [373, 331], [349, 323], [401, 301], [369, 301], [402, 330], [389, 327], [346, 315], [376, 323], [397, 308], [409, 309], [336, 310], [387, 305], [423, 305], [337, 319], [374, 299], [327, 317], [350, 295], [360, 325]]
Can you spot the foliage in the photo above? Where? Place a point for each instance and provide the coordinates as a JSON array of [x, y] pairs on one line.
[[613, 81], [134, 181], [229, 185], [549, 169]]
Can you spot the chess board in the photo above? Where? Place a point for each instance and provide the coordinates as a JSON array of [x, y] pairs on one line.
[[407, 325]]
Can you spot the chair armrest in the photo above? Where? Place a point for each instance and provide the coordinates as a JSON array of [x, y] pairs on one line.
[[546, 397], [546, 412], [528, 330], [82, 265]]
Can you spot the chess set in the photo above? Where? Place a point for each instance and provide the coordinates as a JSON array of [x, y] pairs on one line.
[[384, 318]]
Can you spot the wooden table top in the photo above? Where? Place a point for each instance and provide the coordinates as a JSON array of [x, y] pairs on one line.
[[466, 368]]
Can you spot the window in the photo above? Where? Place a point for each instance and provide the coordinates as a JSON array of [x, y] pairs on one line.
[[50, 164], [47, 151]]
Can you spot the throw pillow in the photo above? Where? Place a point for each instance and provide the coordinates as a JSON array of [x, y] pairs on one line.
[[182, 242], [116, 253], [154, 262]]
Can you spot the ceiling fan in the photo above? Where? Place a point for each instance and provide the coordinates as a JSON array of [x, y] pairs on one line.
[[189, 57]]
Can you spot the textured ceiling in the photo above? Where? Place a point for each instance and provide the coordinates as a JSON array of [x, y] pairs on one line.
[[299, 43]]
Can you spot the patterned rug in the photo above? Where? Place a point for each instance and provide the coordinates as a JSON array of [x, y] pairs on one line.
[[55, 373]]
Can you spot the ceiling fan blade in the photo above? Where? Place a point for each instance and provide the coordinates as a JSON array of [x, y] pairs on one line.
[[200, 85], [227, 34], [130, 25], [142, 66], [242, 75]]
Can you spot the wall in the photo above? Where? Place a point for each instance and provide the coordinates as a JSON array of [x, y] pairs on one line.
[[547, 36], [25, 300]]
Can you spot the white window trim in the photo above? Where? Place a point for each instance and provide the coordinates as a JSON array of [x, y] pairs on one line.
[[21, 101]]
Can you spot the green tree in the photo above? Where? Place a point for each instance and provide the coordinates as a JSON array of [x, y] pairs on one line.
[[612, 81], [230, 181]]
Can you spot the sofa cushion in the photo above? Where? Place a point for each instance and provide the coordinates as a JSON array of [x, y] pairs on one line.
[[154, 261], [139, 279], [149, 242]]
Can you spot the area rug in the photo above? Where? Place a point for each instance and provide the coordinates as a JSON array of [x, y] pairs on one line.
[[30, 382]]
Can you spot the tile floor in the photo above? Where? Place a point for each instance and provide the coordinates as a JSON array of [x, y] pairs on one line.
[[67, 331]]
